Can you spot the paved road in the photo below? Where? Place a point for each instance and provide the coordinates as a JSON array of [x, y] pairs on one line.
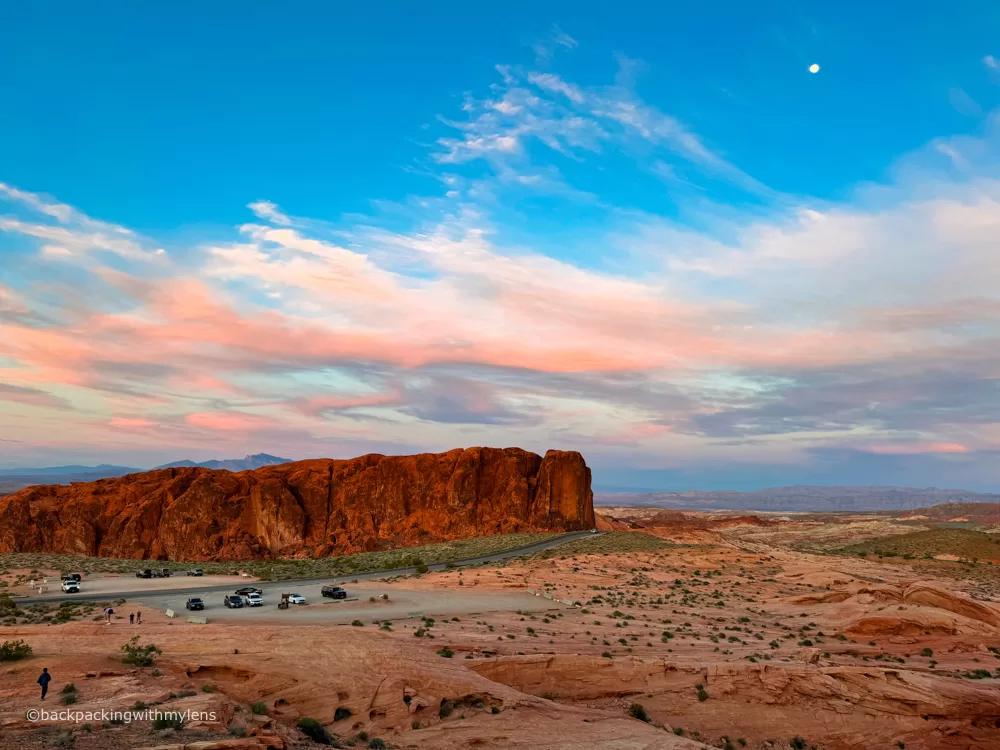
[[275, 588]]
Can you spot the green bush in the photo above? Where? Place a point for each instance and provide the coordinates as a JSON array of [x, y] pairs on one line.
[[447, 653], [14, 650], [139, 656], [260, 708], [315, 731]]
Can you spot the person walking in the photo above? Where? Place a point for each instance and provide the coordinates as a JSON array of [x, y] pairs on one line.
[[131, 618], [44, 679], [138, 617]]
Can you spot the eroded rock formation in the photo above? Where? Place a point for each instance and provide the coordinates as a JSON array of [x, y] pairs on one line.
[[306, 508]]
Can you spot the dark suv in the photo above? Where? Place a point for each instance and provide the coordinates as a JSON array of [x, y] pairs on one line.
[[194, 604], [334, 592], [147, 573], [233, 601]]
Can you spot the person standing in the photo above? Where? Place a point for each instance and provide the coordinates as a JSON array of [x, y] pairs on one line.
[[44, 679], [131, 618], [138, 617]]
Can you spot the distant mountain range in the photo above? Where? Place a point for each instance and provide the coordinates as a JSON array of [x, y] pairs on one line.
[[799, 498], [106, 470], [14, 479], [255, 461]]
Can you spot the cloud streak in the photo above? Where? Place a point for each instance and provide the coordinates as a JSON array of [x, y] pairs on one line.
[[870, 326]]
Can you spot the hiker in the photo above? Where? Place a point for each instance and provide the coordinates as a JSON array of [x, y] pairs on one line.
[[131, 618], [107, 615], [44, 679], [138, 617]]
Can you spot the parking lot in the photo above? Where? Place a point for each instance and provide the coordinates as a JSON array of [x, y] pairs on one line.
[[402, 603]]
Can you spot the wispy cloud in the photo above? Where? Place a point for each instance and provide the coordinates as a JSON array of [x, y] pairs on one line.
[[869, 325]]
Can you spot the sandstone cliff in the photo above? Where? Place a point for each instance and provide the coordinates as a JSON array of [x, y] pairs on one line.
[[307, 508]]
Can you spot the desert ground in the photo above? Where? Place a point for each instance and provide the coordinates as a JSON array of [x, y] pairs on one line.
[[693, 630]]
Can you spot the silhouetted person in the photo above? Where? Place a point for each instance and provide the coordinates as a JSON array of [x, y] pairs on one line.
[[44, 679], [138, 618], [131, 618]]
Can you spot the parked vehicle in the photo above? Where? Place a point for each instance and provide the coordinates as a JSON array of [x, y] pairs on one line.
[[296, 599], [71, 587], [334, 592], [162, 572], [145, 573], [233, 601], [248, 590], [72, 577], [194, 604], [253, 600], [195, 572]]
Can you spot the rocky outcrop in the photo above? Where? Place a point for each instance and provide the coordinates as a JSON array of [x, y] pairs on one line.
[[929, 595], [307, 508]]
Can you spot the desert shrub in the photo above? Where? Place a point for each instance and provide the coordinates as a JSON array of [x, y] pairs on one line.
[[14, 650], [169, 721], [260, 708], [637, 711], [447, 653], [139, 656], [702, 695], [377, 744], [206, 688], [927, 652], [446, 708], [358, 624], [315, 731], [421, 568], [68, 699]]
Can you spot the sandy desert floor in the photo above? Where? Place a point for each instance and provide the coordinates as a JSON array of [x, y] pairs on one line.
[[716, 642]]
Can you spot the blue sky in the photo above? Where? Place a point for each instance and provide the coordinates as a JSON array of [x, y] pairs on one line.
[[651, 235]]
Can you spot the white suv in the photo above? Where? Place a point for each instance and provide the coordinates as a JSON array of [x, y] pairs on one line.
[[253, 600], [71, 587]]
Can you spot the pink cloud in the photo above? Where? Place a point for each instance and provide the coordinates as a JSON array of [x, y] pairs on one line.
[[227, 421], [634, 433], [130, 422], [907, 449]]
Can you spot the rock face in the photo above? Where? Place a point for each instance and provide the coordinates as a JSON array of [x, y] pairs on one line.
[[307, 508]]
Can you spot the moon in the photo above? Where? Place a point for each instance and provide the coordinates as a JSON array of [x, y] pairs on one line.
[[814, 68]]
